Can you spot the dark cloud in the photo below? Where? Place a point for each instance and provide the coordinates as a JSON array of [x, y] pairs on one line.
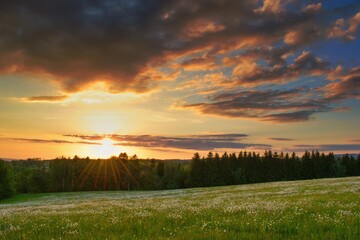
[[81, 42], [34, 140], [327, 147], [281, 139], [297, 116], [199, 63], [222, 136], [88, 137], [292, 105], [194, 142], [348, 85], [304, 35], [166, 150], [251, 73], [45, 98], [185, 143], [78, 43]]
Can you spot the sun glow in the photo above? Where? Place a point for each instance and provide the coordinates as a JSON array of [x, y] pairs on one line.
[[108, 148], [107, 142]]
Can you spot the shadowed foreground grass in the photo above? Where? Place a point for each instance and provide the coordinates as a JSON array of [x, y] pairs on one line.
[[315, 209]]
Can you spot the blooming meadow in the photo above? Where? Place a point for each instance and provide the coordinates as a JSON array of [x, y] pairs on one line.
[[311, 209]]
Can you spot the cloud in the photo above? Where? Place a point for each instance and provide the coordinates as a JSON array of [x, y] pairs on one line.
[[166, 150], [348, 85], [108, 41], [45, 98], [346, 30], [250, 73], [117, 41], [312, 8], [336, 73], [297, 116], [135, 45], [291, 105], [205, 84], [326, 147], [306, 34], [281, 139], [193, 142], [272, 6], [95, 137], [203, 63], [222, 136], [57, 141], [200, 27]]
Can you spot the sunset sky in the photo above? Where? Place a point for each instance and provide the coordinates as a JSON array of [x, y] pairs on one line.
[[164, 79]]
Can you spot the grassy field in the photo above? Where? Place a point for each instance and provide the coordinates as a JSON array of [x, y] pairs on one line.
[[315, 209]]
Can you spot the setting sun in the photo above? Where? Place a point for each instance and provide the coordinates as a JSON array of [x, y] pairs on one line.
[[107, 142], [107, 148]]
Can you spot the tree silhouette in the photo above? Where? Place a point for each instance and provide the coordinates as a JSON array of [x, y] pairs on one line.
[[6, 180], [124, 173]]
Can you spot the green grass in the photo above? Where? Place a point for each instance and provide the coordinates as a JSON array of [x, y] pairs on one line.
[[315, 209], [18, 198]]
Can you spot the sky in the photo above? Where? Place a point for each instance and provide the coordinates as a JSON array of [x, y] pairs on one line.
[[165, 79]]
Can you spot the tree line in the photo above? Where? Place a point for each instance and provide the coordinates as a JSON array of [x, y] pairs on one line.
[[130, 173]]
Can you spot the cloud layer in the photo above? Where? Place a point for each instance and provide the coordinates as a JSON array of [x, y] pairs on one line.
[[132, 45], [193, 142], [326, 147], [281, 139], [45, 98], [184, 143], [58, 141], [268, 105]]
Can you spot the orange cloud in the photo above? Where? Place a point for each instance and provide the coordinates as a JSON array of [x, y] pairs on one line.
[[346, 30], [302, 35], [312, 8], [57, 141], [204, 63], [348, 86], [272, 6], [335, 73], [200, 27], [45, 98], [204, 84]]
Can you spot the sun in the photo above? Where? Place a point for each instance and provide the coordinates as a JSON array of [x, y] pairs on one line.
[[107, 148], [107, 142]]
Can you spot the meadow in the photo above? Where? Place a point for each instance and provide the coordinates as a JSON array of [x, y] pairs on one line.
[[311, 209]]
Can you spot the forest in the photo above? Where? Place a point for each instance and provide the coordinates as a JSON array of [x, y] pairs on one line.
[[130, 173]]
